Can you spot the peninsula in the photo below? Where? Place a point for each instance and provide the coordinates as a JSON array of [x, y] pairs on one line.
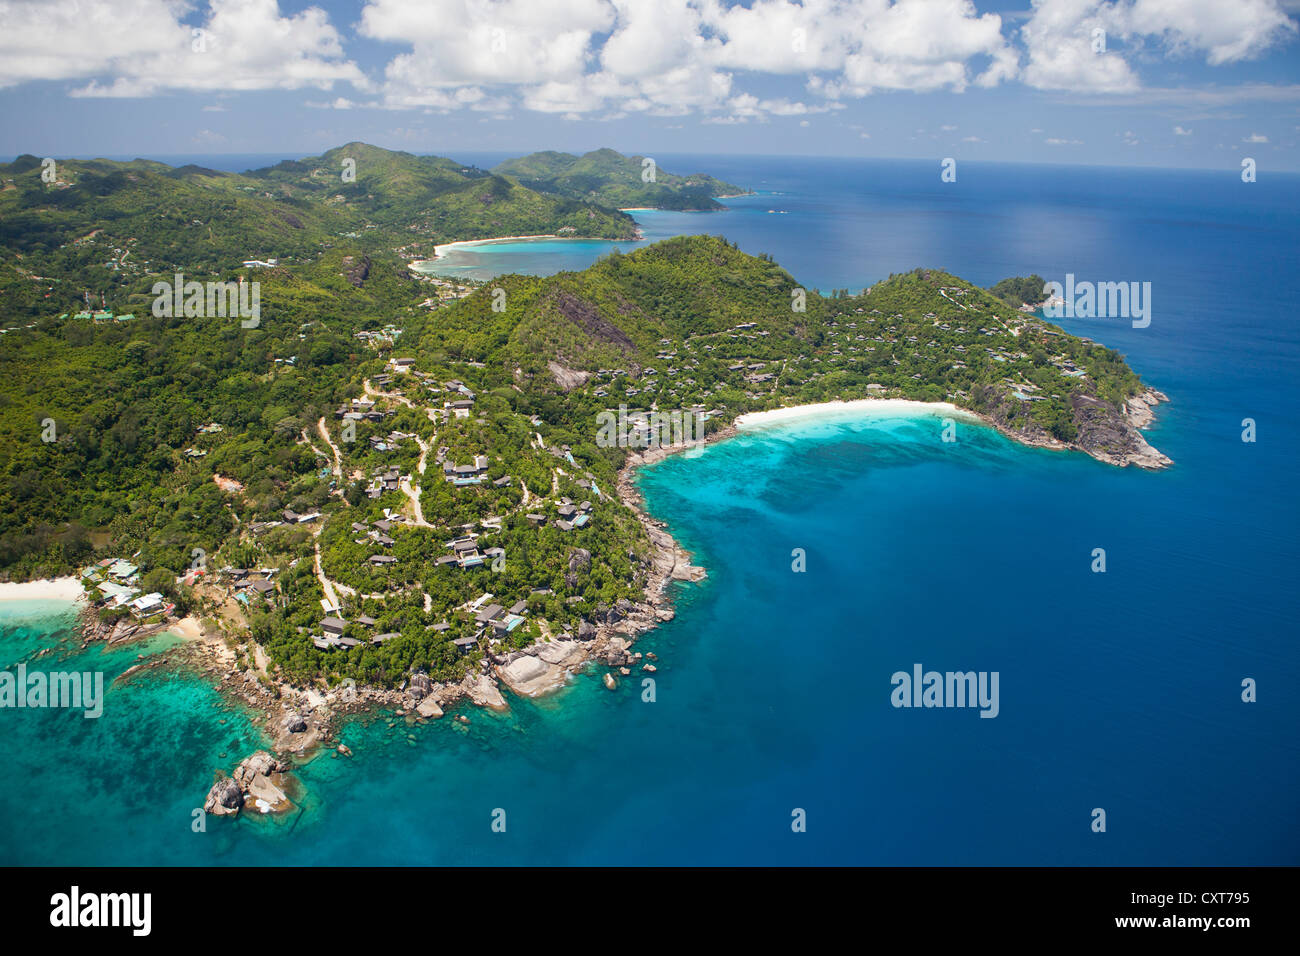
[[396, 491]]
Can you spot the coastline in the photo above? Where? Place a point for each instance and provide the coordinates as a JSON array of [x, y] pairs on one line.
[[441, 250], [548, 666], [854, 408], [1136, 412], [66, 588], [188, 627], [302, 722]]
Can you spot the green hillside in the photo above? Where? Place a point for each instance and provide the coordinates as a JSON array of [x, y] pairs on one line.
[[612, 179], [112, 228], [438, 197], [110, 445]]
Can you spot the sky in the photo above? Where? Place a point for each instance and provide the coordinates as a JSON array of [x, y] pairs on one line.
[[1171, 83]]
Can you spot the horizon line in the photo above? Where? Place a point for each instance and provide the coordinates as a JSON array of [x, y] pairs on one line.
[[123, 157]]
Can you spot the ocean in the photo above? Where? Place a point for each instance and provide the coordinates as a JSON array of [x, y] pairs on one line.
[[1119, 691]]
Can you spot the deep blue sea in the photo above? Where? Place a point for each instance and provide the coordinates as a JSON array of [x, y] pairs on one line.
[[1119, 691]]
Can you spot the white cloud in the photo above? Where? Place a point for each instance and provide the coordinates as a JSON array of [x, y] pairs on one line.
[[925, 45], [141, 47], [1224, 32], [639, 57], [457, 45], [671, 57], [1179, 131], [1067, 51], [1072, 43], [1255, 138], [339, 103]]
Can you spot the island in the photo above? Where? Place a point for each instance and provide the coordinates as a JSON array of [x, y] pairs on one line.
[[394, 491], [612, 179]]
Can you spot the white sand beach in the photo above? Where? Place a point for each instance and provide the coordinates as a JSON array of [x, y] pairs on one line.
[[46, 589], [188, 628], [859, 408], [441, 251]]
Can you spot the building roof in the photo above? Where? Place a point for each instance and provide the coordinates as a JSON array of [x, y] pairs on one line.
[[490, 612]]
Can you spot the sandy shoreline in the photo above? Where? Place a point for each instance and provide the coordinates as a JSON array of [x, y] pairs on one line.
[[441, 251], [44, 589], [188, 628], [862, 407]]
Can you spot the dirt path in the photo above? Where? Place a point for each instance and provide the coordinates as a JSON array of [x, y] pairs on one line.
[[326, 584], [394, 396], [338, 457], [306, 437], [373, 392], [413, 494], [424, 452]]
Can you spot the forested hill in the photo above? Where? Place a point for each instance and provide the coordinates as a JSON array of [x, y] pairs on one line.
[[159, 438], [109, 227], [437, 196], [693, 321], [612, 179]]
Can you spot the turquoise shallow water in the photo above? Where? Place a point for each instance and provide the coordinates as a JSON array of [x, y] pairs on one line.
[[548, 256], [773, 694], [1118, 691]]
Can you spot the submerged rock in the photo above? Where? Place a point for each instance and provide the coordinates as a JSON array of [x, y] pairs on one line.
[[483, 691], [261, 763], [224, 798], [258, 780], [261, 788]]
